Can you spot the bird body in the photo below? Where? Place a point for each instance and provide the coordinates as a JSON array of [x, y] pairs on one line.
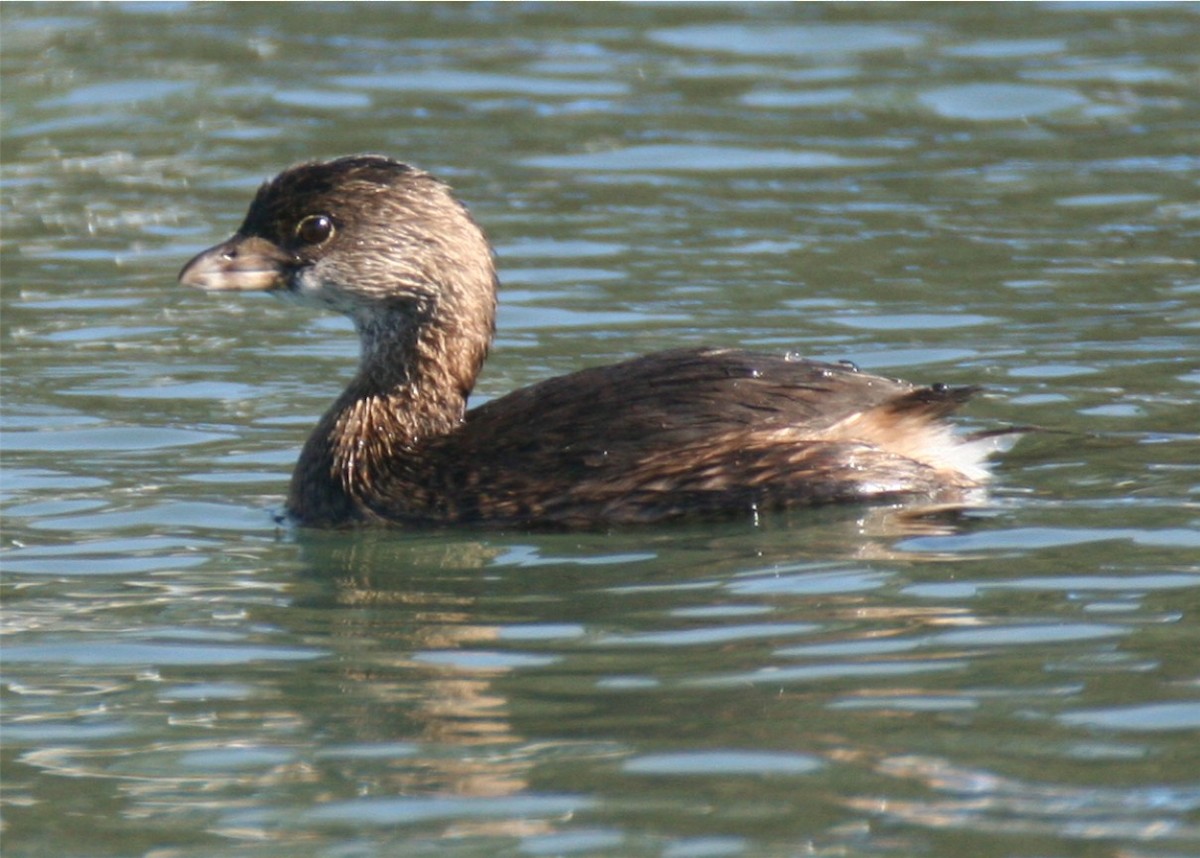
[[699, 432]]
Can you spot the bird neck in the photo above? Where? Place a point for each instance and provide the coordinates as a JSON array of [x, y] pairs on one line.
[[411, 387]]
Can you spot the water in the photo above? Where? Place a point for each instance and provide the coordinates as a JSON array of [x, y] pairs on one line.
[[1004, 195]]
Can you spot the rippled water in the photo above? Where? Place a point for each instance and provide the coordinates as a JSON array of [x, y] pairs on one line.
[[1004, 195]]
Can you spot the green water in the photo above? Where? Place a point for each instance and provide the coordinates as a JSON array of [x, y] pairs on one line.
[[995, 194]]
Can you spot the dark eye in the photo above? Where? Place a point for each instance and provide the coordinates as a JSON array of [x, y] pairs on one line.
[[314, 229]]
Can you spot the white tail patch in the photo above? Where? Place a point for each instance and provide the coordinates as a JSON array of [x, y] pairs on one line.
[[923, 438]]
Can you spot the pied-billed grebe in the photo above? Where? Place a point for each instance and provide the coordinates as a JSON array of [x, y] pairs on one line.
[[690, 432]]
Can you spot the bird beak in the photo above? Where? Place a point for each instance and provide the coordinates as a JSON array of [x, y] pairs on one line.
[[242, 264]]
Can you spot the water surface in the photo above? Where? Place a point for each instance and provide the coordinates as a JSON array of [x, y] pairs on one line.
[[1003, 195]]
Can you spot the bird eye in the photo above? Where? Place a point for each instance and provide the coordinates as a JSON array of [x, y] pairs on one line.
[[314, 229]]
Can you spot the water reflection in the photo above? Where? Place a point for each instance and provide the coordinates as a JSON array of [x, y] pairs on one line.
[[498, 660], [442, 639], [964, 798], [471, 677]]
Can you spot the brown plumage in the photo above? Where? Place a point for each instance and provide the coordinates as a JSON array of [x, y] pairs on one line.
[[690, 432]]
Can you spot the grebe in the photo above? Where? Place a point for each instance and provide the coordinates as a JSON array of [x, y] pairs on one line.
[[696, 432]]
